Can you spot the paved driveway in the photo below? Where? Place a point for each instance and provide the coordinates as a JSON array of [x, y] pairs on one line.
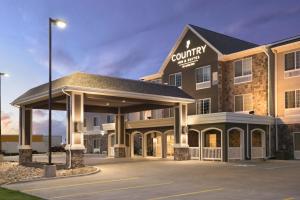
[[177, 180]]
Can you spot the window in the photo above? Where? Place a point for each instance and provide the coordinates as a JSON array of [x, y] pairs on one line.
[[292, 61], [203, 106], [243, 70], [96, 121], [292, 64], [96, 143], [175, 79], [292, 99], [109, 119], [203, 77], [243, 103]]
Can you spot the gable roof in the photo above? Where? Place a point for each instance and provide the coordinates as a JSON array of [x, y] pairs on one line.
[[220, 43], [104, 83], [224, 43]]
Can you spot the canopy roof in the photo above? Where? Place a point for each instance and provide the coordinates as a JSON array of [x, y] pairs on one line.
[[105, 86]]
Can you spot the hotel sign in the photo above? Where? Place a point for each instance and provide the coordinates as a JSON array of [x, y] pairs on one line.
[[190, 56]]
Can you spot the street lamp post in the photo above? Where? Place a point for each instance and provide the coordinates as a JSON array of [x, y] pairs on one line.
[[1, 74], [61, 24]]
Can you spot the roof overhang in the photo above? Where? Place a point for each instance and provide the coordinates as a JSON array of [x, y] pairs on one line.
[[286, 47], [240, 54], [104, 92]]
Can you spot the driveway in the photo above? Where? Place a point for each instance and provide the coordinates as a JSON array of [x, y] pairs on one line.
[[157, 179]]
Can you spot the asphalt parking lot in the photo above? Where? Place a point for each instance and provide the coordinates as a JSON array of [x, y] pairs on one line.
[[166, 179]]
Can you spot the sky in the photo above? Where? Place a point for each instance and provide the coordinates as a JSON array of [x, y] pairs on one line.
[[123, 38]]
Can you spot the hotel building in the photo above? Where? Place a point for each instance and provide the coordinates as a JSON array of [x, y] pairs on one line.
[[215, 97]]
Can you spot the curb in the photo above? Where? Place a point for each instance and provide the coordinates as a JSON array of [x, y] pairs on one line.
[[53, 178]]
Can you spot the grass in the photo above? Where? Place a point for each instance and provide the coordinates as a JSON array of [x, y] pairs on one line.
[[6, 194]]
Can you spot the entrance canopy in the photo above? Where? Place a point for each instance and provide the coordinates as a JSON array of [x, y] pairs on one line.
[[105, 94]]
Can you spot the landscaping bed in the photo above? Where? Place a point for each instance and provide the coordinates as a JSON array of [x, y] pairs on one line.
[[13, 172]]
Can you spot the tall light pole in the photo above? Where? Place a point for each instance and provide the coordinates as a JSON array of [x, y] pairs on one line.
[[61, 24], [1, 74]]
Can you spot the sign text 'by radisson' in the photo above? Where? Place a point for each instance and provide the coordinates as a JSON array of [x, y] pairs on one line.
[[188, 57]]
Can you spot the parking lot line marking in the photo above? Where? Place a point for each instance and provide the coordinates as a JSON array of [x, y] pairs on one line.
[[289, 198], [80, 184], [279, 167], [188, 194], [112, 190]]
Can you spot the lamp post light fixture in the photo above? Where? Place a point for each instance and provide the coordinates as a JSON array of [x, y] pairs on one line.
[[5, 75], [60, 24]]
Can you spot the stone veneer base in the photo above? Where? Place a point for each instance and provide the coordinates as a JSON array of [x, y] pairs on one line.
[[120, 152], [182, 153], [76, 158], [25, 156]]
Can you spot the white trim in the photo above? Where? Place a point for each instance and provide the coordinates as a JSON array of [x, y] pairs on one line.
[[205, 83], [295, 59], [174, 74], [242, 142], [295, 108]]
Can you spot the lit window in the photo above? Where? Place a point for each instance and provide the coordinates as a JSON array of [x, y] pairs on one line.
[[203, 106], [243, 103], [292, 99], [175, 79], [243, 70], [203, 77]]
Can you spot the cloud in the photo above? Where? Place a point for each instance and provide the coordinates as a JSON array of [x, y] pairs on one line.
[[262, 19], [6, 120], [39, 113]]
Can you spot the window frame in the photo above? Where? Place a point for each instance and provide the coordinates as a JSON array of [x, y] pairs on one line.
[[294, 108], [243, 95], [95, 123], [174, 74], [248, 75], [295, 69], [198, 101], [206, 83]]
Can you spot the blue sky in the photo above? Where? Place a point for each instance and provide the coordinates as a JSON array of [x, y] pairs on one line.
[[126, 38]]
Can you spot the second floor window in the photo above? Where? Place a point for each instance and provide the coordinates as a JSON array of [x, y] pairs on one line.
[[243, 103], [203, 77], [292, 99], [203, 106], [109, 119], [243, 70], [292, 61], [175, 80]]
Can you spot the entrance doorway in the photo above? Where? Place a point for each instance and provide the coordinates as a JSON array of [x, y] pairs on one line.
[[257, 144], [137, 144], [212, 144], [194, 144], [235, 144], [170, 143], [297, 145], [153, 144]]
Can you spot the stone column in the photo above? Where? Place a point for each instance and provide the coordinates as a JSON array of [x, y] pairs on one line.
[[74, 138], [181, 147], [120, 148], [25, 133]]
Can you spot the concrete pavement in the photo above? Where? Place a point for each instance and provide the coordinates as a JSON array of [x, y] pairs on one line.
[[158, 179]]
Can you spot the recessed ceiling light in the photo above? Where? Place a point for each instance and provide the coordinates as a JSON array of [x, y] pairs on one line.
[[123, 101], [107, 104]]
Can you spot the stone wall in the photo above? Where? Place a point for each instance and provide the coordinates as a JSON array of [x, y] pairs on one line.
[[182, 154], [285, 140], [120, 152], [76, 158], [258, 86], [25, 156], [90, 142]]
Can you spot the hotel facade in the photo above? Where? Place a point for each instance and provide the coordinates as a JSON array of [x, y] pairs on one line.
[[215, 97]]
